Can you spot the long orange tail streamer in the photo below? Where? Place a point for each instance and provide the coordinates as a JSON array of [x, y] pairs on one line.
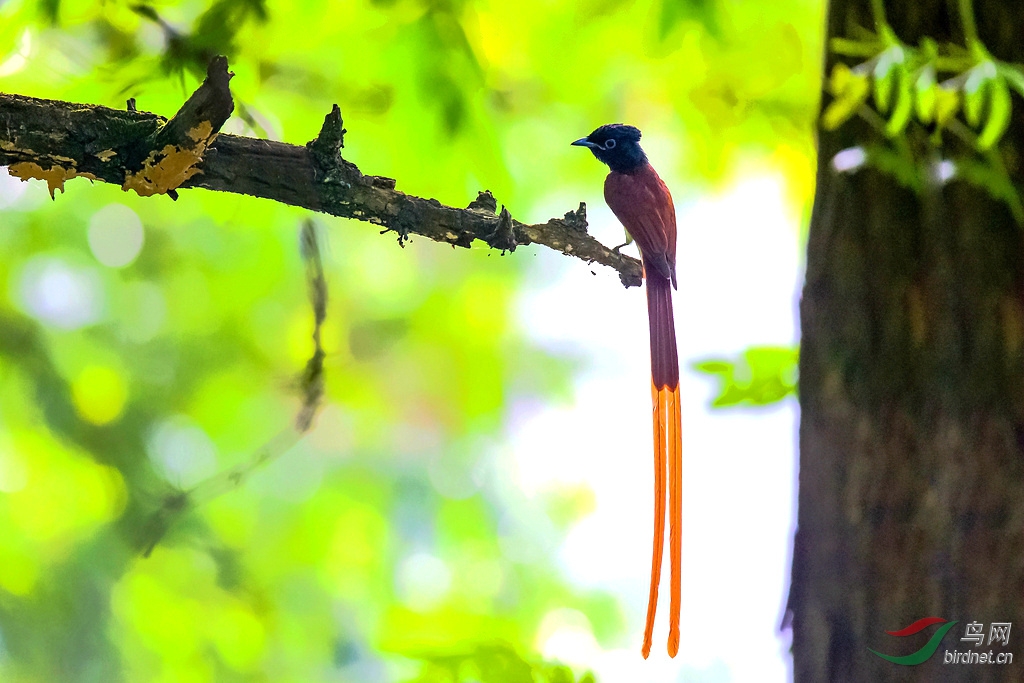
[[668, 453], [659, 513], [675, 477]]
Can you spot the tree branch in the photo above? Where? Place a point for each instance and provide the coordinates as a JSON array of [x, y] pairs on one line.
[[56, 141]]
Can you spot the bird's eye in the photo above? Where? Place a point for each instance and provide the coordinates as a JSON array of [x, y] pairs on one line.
[[610, 144]]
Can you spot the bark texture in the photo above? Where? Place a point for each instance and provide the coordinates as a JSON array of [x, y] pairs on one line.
[[911, 501]]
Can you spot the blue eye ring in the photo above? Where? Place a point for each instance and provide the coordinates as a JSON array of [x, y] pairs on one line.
[[610, 144]]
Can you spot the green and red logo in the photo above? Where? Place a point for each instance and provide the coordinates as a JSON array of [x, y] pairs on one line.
[[929, 648]]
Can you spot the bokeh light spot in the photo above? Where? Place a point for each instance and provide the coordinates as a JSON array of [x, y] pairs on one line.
[[565, 634], [99, 394], [115, 235], [423, 581], [61, 295], [67, 496], [182, 451], [16, 61]]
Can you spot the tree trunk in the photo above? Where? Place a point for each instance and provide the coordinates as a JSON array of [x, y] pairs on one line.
[[911, 502]]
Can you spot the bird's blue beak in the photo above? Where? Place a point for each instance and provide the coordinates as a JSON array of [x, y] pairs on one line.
[[583, 142]]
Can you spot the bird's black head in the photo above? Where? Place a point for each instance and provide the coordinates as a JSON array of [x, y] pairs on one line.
[[617, 145]]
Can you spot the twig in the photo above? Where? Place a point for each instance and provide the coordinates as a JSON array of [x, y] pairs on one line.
[[175, 504]]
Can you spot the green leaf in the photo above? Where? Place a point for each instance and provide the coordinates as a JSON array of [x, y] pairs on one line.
[[885, 75], [840, 78], [999, 111], [947, 104], [884, 83], [762, 375], [925, 88], [1013, 75], [929, 49], [976, 89], [904, 106], [851, 90]]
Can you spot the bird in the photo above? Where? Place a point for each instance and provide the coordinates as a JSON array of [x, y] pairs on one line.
[[643, 204]]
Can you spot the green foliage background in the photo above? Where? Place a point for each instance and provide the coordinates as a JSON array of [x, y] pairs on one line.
[[387, 545]]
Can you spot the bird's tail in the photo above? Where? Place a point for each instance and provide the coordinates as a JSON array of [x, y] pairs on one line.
[[667, 450]]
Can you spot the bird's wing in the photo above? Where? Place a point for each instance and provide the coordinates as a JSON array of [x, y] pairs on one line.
[[643, 204]]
